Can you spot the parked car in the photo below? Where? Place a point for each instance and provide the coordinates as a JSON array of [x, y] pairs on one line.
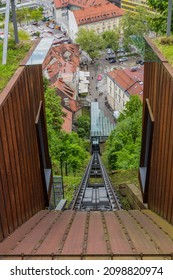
[[113, 60], [99, 77], [110, 51], [140, 61], [134, 68], [120, 51], [122, 59]]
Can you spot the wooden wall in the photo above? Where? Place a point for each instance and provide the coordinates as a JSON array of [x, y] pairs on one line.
[[22, 185], [158, 89]]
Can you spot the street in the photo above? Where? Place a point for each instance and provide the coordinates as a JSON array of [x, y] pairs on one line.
[[98, 89]]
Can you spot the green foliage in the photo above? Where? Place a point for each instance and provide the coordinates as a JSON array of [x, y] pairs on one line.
[[83, 126], [36, 15], [53, 109], [135, 26], [71, 184], [90, 42], [27, 14], [159, 21], [111, 39], [23, 35], [165, 46], [123, 145], [66, 148], [16, 52]]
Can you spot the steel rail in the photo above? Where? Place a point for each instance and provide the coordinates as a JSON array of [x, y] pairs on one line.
[[80, 191], [109, 188], [95, 168]]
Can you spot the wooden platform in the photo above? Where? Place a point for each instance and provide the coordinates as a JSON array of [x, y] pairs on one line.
[[90, 235]]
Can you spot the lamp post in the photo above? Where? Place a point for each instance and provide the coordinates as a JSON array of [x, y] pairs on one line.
[[169, 18], [7, 15]]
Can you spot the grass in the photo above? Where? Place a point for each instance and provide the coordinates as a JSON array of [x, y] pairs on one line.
[[164, 44], [14, 56], [85, 111], [71, 184], [124, 177]]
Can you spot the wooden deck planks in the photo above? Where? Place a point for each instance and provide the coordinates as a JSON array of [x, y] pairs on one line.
[[32, 239], [163, 224], [12, 240], [117, 237], [75, 239], [54, 238], [138, 236], [92, 233], [96, 243], [162, 242]]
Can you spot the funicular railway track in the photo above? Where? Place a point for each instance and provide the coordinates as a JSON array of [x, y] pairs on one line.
[[95, 191]]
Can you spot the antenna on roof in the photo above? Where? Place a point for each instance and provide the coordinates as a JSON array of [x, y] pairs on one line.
[[7, 14]]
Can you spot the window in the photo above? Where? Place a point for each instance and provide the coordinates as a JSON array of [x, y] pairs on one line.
[[144, 169]]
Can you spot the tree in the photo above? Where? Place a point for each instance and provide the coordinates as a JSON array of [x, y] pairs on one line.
[[123, 145], [135, 26], [76, 156], [159, 21], [36, 15], [83, 126], [54, 112], [111, 39], [90, 42]]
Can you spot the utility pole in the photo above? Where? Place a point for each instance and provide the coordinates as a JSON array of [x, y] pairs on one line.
[[7, 15], [14, 21], [169, 18]]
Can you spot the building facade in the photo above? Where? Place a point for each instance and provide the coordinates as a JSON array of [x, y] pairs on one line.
[[61, 8], [131, 5], [99, 18], [121, 84]]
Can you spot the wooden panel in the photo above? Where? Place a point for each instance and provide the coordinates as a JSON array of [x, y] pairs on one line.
[[158, 88], [3, 213], [21, 182], [6, 176]]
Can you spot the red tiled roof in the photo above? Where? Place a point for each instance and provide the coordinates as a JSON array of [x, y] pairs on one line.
[[63, 58], [64, 88], [97, 13], [128, 81], [79, 3], [74, 105], [67, 125]]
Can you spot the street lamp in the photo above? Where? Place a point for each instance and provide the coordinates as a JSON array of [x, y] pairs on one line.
[[7, 15], [169, 18]]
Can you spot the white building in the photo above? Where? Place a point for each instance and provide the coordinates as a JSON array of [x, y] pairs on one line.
[[99, 18], [61, 8], [121, 84]]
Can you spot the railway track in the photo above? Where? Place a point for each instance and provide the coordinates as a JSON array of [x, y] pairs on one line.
[[95, 191]]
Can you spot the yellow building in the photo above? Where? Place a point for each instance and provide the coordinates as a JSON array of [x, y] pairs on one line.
[[131, 5]]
